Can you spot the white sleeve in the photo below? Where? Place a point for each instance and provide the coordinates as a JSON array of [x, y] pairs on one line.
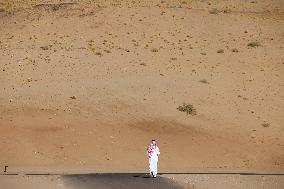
[[158, 151]]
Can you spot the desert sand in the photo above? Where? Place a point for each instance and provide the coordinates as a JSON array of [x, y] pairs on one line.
[[85, 85]]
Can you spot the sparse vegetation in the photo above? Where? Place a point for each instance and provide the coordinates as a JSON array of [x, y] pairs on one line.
[[154, 50], [220, 51], [99, 53], [73, 97], [254, 44], [188, 108], [203, 81], [265, 124], [235, 50], [44, 48]]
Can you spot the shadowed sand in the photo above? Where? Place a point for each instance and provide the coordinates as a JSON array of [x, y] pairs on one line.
[[140, 180]]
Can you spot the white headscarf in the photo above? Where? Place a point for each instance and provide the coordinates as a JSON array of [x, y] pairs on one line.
[[152, 146]]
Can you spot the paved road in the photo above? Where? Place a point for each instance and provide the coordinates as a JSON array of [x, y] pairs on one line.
[[117, 181], [138, 181]]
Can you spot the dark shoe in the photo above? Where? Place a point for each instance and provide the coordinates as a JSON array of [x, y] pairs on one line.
[[152, 174]]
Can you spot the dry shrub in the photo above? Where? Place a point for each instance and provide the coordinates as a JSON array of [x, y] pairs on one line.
[[254, 44], [188, 108]]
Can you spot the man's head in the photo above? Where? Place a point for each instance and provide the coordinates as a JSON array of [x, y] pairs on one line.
[[154, 141]]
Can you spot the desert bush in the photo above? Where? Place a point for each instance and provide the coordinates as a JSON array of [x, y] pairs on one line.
[[265, 124], [73, 97], [99, 53], [154, 50], [44, 48], [235, 50], [203, 81], [220, 51], [188, 108], [254, 44]]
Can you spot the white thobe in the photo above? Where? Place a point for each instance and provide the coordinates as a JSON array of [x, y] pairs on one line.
[[153, 161]]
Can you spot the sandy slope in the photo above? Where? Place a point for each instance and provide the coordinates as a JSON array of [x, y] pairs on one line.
[[86, 86]]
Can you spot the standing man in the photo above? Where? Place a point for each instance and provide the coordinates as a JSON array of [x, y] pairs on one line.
[[153, 153]]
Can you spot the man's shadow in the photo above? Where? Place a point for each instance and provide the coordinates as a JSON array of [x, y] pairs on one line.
[[146, 176]]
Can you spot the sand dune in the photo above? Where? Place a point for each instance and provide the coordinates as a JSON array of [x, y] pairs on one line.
[[85, 86]]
